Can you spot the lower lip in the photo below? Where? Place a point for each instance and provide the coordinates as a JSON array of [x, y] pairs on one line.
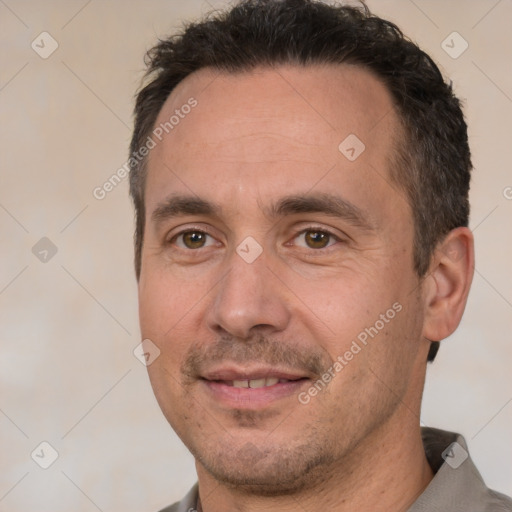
[[253, 398]]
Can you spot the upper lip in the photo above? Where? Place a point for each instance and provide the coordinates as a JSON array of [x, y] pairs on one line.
[[230, 373]]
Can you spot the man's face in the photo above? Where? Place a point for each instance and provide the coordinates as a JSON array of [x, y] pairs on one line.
[[269, 253]]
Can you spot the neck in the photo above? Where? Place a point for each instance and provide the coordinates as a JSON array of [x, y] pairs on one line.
[[387, 471]]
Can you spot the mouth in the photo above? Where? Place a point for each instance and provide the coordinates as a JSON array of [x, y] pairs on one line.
[[252, 388], [263, 382]]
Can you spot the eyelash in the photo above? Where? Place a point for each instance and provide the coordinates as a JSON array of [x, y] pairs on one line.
[[324, 231], [298, 233], [172, 240]]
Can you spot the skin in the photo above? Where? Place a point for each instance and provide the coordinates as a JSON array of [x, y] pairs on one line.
[[254, 138]]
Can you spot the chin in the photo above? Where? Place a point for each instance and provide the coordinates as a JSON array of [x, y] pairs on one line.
[[265, 470]]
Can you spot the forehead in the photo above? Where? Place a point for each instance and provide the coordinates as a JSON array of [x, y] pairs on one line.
[[270, 128], [317, 98]]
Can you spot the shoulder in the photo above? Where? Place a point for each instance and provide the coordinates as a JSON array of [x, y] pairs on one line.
[[457, 485], [187, 504], [498, 502]]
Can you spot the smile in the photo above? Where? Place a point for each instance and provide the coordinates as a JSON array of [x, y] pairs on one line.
[[251, 388], [255, 383]]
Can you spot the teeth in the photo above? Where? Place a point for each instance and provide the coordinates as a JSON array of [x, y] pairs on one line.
[[241, 383], [257, 383]]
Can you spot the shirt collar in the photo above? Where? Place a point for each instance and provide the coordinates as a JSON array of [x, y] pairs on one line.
[[457, 484]]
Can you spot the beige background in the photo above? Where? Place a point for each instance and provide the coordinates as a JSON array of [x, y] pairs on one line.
[[68, 326]]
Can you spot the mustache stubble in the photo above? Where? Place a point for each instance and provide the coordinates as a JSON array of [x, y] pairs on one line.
[[257, 349]]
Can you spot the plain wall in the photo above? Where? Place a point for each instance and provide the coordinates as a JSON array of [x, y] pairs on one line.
[[68, 326]]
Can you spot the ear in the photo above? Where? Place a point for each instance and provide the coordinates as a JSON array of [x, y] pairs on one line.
[[450, 275]]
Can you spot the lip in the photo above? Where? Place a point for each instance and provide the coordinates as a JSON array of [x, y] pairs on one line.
[[215, 382], [250, 373]]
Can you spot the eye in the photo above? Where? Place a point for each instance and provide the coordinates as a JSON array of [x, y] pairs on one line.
[[193, 239], [315, 239]]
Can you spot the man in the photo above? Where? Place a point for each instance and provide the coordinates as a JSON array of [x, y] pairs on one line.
[[300, 175]]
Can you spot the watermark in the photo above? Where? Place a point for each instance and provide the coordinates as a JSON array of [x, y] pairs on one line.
[[507, 193], [136, 157], [454, 455], [356, 346], [351, 147], [44, 455], [249, 249], [175, 119], [44, 45], [146, 352], [454, 45], [44, 250]]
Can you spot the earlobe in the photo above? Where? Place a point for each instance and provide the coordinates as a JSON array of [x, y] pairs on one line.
[[450, 276]]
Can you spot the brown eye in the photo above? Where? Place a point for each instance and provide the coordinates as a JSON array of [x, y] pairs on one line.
[[192, 240], [317, 239]]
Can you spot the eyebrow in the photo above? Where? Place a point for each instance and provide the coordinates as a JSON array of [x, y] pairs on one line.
[[327, 204], [179, 205]]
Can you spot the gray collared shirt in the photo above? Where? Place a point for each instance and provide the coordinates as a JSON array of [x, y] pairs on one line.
[[456, 487]]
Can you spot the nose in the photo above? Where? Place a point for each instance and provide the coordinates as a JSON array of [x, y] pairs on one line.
[[250, 297]]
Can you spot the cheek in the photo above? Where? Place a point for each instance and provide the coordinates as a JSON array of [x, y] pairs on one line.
[[166, 302], [393, 351], [342, 304], [362, 318]]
